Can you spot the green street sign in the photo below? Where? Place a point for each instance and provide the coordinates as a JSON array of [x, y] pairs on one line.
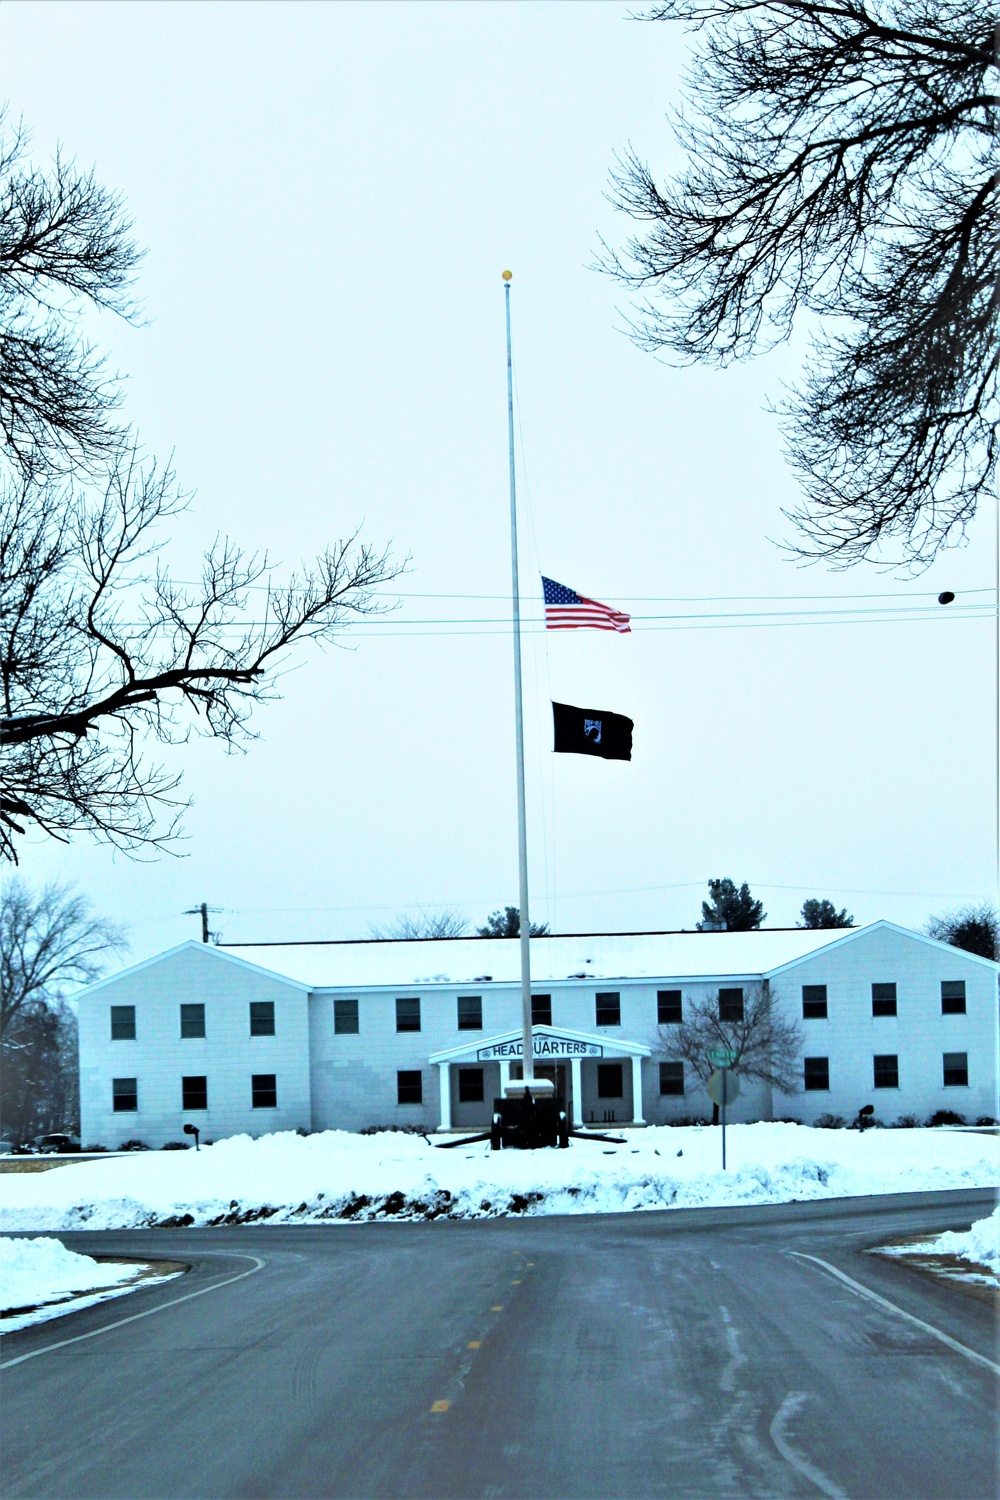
[[721, 1057]]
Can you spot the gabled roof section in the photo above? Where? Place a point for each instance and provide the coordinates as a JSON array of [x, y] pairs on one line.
[[851, 934], [190, 943]]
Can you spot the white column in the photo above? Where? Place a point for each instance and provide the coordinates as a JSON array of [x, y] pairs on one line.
[[576, 1072], [445, 1079], [637, 1091], [504, 1077]]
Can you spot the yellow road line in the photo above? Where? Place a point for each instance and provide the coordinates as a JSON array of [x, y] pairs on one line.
[[441, 1406]]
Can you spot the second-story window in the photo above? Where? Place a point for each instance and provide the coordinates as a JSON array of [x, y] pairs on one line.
[[814, 1002], [123, 1023], [541, 1010], [470, 1013], [953, 997], [884, 999], [669, 1011], [345, 1018], [731, 1004], [408, 1015], [192, 1021], [609, 1008], [262, 1018]]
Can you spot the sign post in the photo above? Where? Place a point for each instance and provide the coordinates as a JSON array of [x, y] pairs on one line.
[[723, 1086]]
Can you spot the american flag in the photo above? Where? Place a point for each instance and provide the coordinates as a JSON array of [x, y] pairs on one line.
[[566, 610]]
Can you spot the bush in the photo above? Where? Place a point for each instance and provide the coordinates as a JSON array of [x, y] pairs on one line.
[[176, 1146], [688, 1120], [91, 1150], [986, 1120], [392, 1129], [830, 1122], [906, 1122], [946, 1117], [133, 1146]]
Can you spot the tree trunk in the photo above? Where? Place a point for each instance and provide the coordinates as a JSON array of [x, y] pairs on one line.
[[715, 1114]]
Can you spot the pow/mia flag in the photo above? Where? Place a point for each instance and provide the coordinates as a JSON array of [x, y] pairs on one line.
[[591, 731]]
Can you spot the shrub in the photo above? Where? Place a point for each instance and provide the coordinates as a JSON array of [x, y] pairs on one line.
[[946, 1117], [391, 1129], [133, 1146], [90, 1150], [906, 1122], [688, 1120], [830, 1122], [986, 1120], [176, 1146]]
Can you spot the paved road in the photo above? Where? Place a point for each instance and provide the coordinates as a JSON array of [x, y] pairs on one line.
[[683, 1354]]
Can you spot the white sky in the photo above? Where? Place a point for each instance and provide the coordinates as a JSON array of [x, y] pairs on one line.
[[328, 194]]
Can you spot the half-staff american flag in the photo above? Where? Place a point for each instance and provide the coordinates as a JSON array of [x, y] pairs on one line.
[[567, 610]]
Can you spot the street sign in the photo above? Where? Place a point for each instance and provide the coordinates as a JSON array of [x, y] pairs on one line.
[[721, 1057], [723, 1087]]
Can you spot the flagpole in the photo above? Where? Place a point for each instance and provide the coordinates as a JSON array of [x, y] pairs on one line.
[[528, 1062]]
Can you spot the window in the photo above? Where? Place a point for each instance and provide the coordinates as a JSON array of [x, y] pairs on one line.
[[194, 1093], [956, 1070], [470, 1086], [409, 1086], [123, 1023], [953, 997], [668, 1011], [262, 1018], [264, 1091], [345, 1018], [814, 1002], [192, 1021], [407, 1016], [731, 1005], [609, 1080], [541, 1010], [609, 1011], [883, 1000], [886, 1070], [124, 1094], [470, 1013], [817, 1074], [672, 1078]]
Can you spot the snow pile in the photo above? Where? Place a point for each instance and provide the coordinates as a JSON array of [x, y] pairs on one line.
[[980, 1244], [338, 1176], [33, 1272]]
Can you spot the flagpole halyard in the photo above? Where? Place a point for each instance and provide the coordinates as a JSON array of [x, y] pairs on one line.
[[528, 1068]]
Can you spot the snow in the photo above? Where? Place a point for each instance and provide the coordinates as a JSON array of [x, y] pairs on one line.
[[979, 1244], [337, 1176], [42, 1279]]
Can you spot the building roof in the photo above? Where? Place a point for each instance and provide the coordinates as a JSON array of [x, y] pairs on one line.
[[601, 956]]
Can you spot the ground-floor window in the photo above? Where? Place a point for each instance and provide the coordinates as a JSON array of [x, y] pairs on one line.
[[672, 1078], [409, 1086], [609, 1080], [956, 1070], [817, 1073], [470, 1086], [264, 1090], [194, 1092], [886, 1069], [124, 1095]]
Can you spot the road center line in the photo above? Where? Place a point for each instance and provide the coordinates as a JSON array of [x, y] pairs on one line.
[[8, 1364], [791, 1404], [863, 1291]]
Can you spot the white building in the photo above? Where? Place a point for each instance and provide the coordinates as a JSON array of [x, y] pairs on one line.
[[352, 1034]]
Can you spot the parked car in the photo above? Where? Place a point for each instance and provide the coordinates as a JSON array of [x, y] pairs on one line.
[[61, 1145]]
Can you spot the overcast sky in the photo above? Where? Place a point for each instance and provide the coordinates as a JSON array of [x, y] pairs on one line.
[[328, 194]]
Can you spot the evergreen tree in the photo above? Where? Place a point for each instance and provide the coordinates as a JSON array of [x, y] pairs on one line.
[[731, 909]]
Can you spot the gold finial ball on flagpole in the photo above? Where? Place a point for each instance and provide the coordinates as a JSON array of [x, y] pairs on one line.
[[507, 275]]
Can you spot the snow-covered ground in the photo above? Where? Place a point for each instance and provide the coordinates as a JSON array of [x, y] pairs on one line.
[[979, 1245], [339, 1177], [41, 1279]]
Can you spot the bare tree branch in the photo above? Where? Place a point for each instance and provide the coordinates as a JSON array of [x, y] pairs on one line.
[[765, 1043]]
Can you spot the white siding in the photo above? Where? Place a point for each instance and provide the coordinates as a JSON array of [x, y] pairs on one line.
[[159, 1058]]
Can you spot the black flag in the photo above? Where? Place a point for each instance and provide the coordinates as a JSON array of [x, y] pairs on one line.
[[591, 731]]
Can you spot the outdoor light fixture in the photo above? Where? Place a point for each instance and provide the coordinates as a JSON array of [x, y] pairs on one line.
[[193, 1130]]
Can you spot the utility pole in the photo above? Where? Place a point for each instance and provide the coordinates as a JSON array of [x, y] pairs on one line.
[[203, 911]]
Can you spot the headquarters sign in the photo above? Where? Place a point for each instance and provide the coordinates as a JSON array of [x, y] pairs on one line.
[[542, 1047]]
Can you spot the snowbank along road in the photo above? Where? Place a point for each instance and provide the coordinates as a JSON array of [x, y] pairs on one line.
[[716, 1352]]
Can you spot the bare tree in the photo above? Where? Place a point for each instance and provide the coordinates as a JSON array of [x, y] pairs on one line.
[[447, 923], [765, 1044], [50, 943], [974, 928], [841, 163], [101, 652]]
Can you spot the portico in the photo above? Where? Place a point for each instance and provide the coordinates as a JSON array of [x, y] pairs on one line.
[[604, 1075]]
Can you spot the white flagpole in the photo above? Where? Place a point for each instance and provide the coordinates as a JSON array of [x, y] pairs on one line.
[[528, 1062]]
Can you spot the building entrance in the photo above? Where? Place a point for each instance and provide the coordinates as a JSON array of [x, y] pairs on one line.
[[558, 1073]]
